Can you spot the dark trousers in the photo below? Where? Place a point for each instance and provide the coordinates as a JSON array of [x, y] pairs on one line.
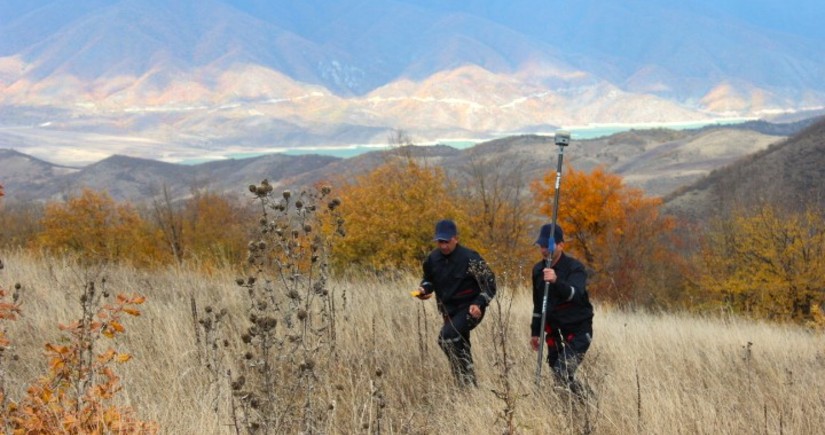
[[564, 354], [454, 340]]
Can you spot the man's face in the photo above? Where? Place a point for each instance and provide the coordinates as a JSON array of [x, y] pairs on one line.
[[545, 251], [447, 246]]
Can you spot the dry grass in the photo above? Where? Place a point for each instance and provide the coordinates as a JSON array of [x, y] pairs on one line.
[[653, 373]]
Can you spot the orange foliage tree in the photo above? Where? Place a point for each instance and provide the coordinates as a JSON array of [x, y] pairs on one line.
[[214, 230], [767, 264], [96, 229], [390, 213], [207, 228], [618, 232]]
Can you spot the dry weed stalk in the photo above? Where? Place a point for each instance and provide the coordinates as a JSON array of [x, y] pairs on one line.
[[377, 401], [288, 348], [423, 332], [504, 361], [211, 346], [588, 401], [639, 421], [747, 357]]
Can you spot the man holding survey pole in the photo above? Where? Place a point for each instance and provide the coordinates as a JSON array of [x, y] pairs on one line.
[[562, 313], [568, 324]]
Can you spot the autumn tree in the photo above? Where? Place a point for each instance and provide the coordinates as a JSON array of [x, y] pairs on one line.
[[766, 263], [206, 228], [213, 230], [390, 212], [96, 229], [618, 232]]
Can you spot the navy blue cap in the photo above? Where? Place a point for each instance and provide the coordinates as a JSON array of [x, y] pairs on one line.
[[544, 235], [445, 230]]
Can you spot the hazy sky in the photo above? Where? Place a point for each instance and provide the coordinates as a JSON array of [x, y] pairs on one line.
[[802, 17]]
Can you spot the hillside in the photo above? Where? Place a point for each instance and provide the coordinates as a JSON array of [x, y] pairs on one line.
[[789, 173], [25, 175], [659, 161]]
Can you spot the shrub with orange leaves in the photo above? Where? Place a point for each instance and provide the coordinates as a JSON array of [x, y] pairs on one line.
[[214, 230], [766, 263], [96, 229], [207, 229], [75, 396]]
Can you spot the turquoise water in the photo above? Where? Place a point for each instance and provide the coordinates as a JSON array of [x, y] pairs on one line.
[[343, 153], [354, 150]]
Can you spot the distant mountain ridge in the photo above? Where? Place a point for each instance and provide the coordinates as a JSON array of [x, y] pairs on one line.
[[256, 75], [659, 161], [382, 40]]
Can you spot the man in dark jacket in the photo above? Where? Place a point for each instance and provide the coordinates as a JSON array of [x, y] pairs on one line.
[[463, 285], [569, 316]]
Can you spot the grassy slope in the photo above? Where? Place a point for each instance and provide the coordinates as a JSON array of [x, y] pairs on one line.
[[653, 373]]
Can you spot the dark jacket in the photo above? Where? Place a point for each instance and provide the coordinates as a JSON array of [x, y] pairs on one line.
[[569, 308], [450, 277]]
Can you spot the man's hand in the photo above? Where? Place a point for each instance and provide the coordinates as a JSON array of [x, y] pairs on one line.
[[475, 311], [421, 294], [534, 343], [549, 275]]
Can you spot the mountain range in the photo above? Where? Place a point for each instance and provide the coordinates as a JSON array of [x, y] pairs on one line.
[[675, 164], [83, 80]]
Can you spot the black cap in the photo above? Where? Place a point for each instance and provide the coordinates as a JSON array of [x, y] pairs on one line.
[[445, 230], [544, 235]]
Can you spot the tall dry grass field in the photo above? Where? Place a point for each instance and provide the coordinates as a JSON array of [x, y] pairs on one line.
[[651, 373]]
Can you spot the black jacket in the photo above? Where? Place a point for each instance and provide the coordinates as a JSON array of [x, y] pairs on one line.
[[569, 308], [450, 277]]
